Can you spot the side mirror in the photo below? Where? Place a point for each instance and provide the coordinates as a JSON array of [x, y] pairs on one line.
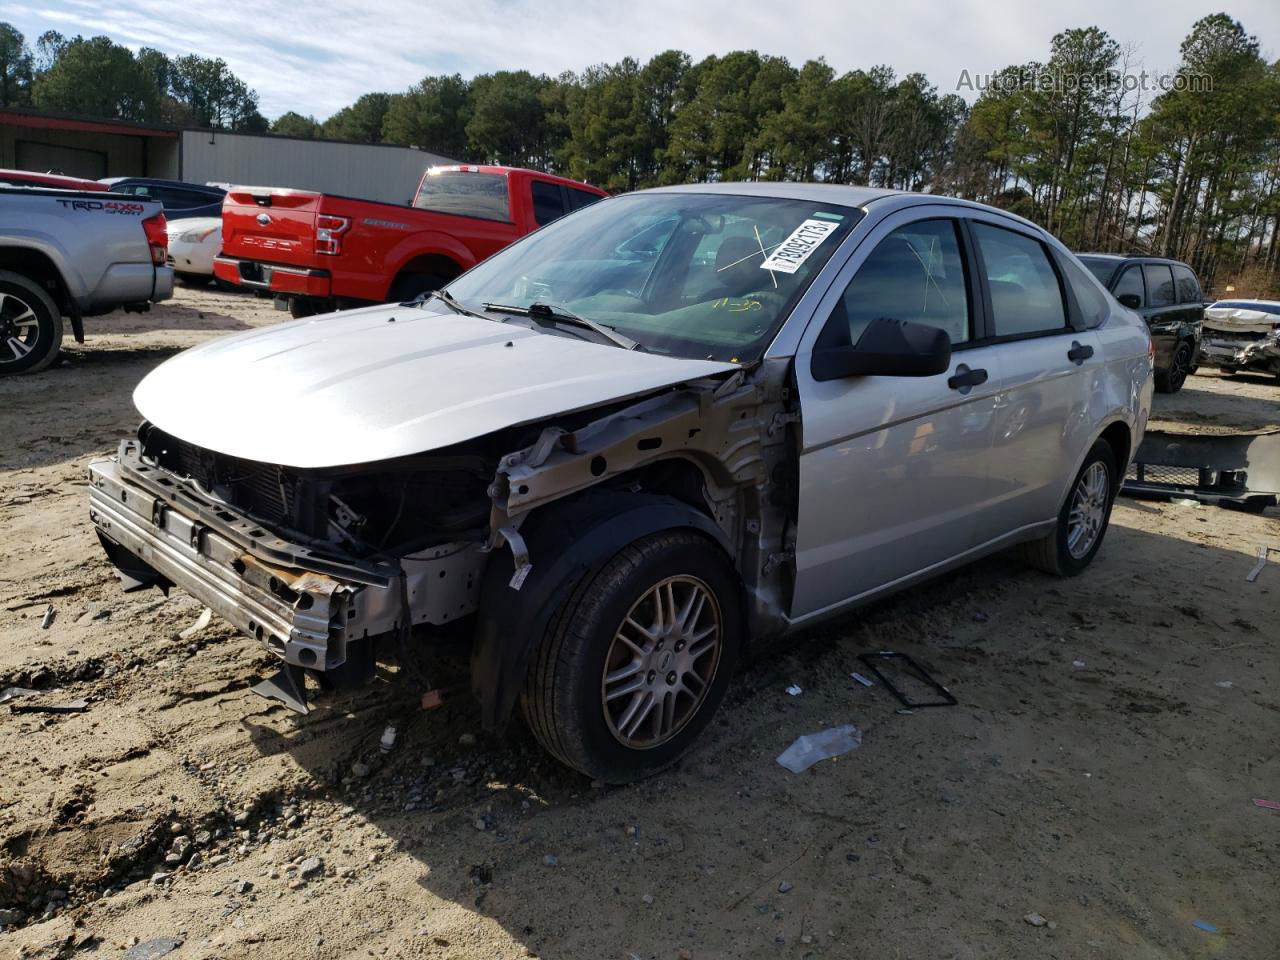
[[887, 348], [1130, 300]]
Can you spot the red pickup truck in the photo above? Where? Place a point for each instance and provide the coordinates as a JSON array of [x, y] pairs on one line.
[[323, 251]]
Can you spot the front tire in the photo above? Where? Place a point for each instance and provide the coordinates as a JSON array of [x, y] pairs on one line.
[[30, 325], [636, 664], [1083, 519]]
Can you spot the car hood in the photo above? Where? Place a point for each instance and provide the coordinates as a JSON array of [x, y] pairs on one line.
[[1239, 320], [384, 382]]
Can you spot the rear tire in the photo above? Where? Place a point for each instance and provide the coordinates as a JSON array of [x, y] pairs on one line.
[[1082, 521], [1171, 380], [30, 325], [622, 683], [409, 285]]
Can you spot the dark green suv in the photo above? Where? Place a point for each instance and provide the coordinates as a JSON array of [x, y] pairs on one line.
[[1168, 295]]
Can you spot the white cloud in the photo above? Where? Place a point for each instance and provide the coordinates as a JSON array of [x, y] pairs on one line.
[[319, 56]]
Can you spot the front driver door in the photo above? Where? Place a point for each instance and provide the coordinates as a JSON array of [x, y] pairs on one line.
[[893, 469]]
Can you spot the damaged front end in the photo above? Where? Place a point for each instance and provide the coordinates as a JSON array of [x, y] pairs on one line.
[[1234, 345], [319, 564]]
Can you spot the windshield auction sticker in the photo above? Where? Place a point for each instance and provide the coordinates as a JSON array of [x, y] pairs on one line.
[[791, 254]]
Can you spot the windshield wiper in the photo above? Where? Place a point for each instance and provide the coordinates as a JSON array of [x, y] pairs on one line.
[[545, 313], [448, 299]]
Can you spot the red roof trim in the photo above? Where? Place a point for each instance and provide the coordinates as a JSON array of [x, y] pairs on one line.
[[83, 126]]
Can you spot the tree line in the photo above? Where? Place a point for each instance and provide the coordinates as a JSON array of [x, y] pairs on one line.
[[100, 78], [1081, 142]]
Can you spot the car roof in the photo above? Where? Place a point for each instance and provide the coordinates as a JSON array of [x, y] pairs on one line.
[[162, 182], [1132, 257], [840, 193], [1269, 303]]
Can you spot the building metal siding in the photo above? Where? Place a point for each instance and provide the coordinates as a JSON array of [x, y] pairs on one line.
[[368, 171]]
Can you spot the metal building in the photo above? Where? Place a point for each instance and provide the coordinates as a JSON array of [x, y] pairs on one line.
[[93, 148]]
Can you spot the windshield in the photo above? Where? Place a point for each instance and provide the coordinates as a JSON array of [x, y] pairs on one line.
[[692, 275], [1100, 268]]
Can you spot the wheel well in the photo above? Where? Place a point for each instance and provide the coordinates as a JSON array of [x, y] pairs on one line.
[[435, 264], [1118, 438], [37, 267]]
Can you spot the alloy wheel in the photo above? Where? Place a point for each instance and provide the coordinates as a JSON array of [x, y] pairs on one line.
[[19, 328], [662, 662], [1088, 510]]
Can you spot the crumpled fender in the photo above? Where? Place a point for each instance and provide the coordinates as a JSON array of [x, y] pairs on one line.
[[565, 541]]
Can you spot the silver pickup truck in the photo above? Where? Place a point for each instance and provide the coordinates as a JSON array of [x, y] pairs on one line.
[[65, 253]]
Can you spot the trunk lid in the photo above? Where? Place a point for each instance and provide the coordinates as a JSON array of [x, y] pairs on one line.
[[271, 225]]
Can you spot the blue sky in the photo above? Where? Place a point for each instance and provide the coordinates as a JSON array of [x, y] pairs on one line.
[[319, 55]]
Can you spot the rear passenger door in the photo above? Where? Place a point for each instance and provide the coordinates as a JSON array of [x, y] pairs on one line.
[[1046, 359]]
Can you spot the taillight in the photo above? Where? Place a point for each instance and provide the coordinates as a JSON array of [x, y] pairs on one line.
[[157, 237], [329, 231]]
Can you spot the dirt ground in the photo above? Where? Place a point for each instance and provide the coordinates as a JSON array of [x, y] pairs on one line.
[[1091, 796]]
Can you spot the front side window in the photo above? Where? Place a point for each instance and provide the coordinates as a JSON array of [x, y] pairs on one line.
[[1159, 284], [463, 193], [916, 273], [1130, 282], [1186, 285], [704, 275], [1026, 297], [548, 203]]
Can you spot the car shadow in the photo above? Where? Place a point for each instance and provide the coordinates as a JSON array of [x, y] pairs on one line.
[[727, 854]]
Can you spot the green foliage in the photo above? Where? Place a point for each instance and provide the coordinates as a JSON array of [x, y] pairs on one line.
[[361, 122], [293, 124], [99, 78], [16, 65], [432, 114]]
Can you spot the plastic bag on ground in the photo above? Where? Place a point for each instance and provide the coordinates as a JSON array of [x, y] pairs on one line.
[[812, 747]]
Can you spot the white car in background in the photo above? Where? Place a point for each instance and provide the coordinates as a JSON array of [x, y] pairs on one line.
[[1242, 335], [193, 243]]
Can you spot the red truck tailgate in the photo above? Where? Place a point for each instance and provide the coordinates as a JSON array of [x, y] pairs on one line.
[[271, 225]]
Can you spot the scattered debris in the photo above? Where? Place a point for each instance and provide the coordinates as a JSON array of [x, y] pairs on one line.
[[388, 739], [433, 699], [1224, 684], [71, 706], [1035, 920], [862, 680], [1252, 575], [1078, 664], [360, 770], [1267, 804], [813, 747], [1204, 925], [310, 867], [551, 860], [786, 886], [794, 690], [467, 740], [873, 661], [648, 899], [49, 614], [202, 621], [152, 949], [13, 693]]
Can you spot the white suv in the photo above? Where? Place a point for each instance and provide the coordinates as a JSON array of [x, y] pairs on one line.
[[666, 426]]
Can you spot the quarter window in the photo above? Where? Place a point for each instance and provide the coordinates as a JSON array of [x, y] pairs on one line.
[[1026, 297], [1159, 284], [1187, 287], [916, 273], [1131, 282], [1093, 302]]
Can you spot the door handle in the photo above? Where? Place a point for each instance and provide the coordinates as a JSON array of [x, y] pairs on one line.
[[1079, 352], [965, 378]]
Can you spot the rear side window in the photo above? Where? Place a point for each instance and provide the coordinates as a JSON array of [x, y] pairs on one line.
[[581, 198], [1159, 284], [1093, 302], [916, 273], [548, 203], [1131, 282], [1025, 294], [1186, 284], [462, 193]]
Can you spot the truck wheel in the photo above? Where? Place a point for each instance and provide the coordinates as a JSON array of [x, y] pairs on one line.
[[1171, 380], [635, 665], [410, 285], [1083, 520], [30, 325]]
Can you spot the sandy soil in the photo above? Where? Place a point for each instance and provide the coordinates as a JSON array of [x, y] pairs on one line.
[[1099, 771]]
